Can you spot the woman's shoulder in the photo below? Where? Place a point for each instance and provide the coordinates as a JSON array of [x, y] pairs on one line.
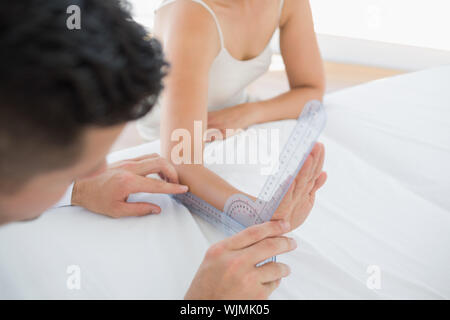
[[187, 14], [187, 26], [291, 8]]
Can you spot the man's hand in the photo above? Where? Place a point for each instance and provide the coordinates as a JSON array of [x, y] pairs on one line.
[[229, 270], [299, 200], [107, 193]]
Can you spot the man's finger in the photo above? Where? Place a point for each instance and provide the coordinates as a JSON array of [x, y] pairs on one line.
[[271, 286], [156, 165], [138, 209], [270, 247], [146, 156], [257, 233], [273, 271], [150, 185]]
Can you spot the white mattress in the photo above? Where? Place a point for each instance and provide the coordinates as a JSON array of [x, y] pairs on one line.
[[386, 204]]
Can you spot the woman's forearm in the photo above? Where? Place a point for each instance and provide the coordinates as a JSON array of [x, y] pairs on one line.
[[213, 189], [288, 105], [206, 184]]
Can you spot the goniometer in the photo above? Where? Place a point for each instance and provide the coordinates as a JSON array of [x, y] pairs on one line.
[[240, 211]]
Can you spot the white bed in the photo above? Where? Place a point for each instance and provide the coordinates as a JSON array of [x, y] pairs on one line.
[[386, 204]]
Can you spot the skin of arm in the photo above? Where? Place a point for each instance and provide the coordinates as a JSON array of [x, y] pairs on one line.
[[186, 88], [186, 91], [304, 69]]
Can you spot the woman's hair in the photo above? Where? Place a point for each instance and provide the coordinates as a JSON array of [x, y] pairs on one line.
[[56, 81]]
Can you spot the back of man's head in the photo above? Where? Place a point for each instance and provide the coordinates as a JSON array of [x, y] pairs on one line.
[[54, 82], [57, 82]]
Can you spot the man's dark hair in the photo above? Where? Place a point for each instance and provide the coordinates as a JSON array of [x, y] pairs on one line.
[[56, 82]]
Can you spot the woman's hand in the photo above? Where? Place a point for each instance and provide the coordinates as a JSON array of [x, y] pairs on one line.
[[299, 200], [107, 193], [234, 118]]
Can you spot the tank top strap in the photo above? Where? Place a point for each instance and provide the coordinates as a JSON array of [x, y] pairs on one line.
[[280, 11], [219, 29]]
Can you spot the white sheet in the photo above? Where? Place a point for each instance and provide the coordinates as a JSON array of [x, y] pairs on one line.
[[385, 204]]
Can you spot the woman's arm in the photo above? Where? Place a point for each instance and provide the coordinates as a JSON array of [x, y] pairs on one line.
[[304, 69], [191, 43]]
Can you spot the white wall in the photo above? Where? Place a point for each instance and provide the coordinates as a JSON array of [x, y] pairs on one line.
[[422, 23], [399, 34], [143, 11]]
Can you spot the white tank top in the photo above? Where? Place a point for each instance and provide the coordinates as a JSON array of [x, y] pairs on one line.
[[228, 78]]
